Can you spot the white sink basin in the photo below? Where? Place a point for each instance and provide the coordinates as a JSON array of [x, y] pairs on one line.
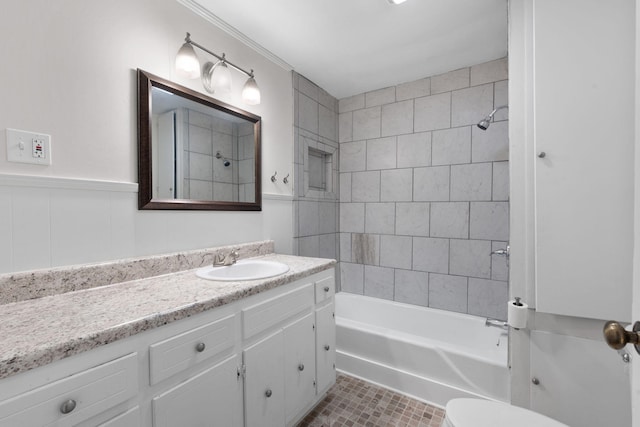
[[243, 270]]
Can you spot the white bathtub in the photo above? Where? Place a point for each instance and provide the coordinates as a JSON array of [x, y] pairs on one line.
[[432, 355]]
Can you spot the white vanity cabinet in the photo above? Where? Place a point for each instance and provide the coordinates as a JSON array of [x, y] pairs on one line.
[[281, 368], [257, 361], [279, 374], [279, 358]]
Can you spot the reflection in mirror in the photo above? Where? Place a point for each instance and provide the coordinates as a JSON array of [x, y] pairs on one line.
[[195, 152]]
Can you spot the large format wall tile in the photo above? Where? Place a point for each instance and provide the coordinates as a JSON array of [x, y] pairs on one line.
[[412, 287], [414, 150], [425, 193], [451, 146], [381, 153], [396, 251], [432, 112]]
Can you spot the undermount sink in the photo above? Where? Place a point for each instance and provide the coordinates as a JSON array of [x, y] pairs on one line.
[[243, 270]]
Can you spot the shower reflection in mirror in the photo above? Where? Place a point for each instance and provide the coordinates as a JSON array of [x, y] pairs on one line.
[[200, 153]]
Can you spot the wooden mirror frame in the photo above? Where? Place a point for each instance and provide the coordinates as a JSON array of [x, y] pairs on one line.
[[146, 81]]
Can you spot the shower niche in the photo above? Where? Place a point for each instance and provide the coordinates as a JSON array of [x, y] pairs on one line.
[[320, 170]]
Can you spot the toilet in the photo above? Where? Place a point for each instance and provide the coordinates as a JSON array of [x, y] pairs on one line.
[[485, 413]]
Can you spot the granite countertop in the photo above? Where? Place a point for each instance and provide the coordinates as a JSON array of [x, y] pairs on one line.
[[39, 331]]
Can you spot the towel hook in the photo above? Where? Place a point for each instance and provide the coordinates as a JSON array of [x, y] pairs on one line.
[[273, 177]]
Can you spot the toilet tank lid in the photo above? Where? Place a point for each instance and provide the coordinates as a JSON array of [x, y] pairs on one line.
[[468, 412]]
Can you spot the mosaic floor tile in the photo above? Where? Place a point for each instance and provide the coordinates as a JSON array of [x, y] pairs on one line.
[[353, 402]]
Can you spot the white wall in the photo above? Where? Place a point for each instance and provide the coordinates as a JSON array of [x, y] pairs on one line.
[[69, 71]]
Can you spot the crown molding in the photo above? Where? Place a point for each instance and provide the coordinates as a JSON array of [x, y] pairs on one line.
[[199, 10]]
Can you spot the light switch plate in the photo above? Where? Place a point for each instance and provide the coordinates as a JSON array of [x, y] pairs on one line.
[[28, 147]]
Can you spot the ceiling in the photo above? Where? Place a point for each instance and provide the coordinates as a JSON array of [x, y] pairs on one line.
[[349, 47]]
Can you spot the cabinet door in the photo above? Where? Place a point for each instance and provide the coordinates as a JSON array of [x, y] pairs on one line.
[[131, 418], [584, 180], [325, 347], [264, 382], [211, 398], [299, 365]]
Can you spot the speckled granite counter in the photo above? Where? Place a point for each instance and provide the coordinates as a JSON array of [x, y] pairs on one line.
[[38, 331]]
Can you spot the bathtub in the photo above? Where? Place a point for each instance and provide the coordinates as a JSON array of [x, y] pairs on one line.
[[432, 355]]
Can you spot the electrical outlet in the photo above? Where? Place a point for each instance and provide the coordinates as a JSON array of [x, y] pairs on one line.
[[28, 147], [37, 145]]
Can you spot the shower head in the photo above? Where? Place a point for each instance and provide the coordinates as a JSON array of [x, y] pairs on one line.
[[226, 162], [486, 122]]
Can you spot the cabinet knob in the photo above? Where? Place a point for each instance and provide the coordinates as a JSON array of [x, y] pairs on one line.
[[268, 393], [68, 406], [301, 367], [542, 154], [327, 347], [200, 347], [326, 289]]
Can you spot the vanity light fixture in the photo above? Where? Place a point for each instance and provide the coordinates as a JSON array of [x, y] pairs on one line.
[[215, 77], [396, 1]]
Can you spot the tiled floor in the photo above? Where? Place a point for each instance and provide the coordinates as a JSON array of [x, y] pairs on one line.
[[353, 402]]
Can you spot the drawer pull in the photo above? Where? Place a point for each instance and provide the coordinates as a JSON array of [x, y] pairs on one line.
[[268, 393], [301, 367], [200, 347], [327, 347], [326, 289], [68, 406]]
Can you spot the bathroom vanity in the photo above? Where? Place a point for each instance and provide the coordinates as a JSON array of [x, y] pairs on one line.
[[172, 350]]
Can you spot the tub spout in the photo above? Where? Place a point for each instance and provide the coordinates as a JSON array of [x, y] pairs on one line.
[[497, 323]]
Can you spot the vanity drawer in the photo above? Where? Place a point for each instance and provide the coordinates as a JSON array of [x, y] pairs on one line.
[[81, 396], [325, 288], [265, 315], [168, 357]]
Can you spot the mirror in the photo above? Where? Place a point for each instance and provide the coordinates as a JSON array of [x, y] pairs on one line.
[[195, 152]]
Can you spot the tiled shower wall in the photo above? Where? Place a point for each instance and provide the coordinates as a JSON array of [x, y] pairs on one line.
[[315, 210], [424, 192], [206, 177]]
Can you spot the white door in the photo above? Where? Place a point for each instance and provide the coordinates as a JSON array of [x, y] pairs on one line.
[[166, 156], [635, 369]]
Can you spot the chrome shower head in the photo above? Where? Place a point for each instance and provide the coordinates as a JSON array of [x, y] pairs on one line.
[[486, 122]]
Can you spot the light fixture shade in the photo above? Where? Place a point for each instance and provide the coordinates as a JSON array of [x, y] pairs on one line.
[[221, 78], [250, 92], [187, 64]]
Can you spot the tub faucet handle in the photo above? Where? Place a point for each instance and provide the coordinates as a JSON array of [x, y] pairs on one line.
[[504, 252]]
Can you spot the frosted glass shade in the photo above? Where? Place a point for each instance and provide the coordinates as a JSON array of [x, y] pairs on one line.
[[187, 64], [250, 92], [221, 78]]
